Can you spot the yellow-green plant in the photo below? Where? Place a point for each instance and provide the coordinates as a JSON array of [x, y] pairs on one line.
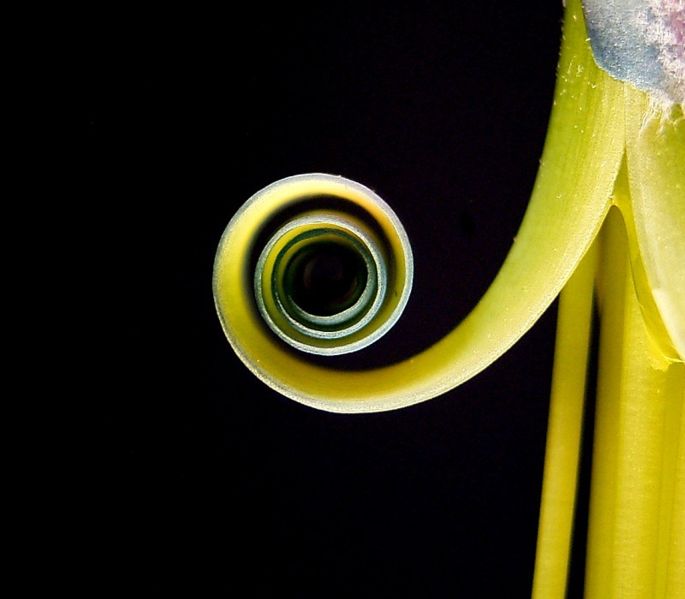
[[606, 220]]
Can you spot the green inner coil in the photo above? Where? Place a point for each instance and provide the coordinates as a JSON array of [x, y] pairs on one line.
[[321, 282], [325, 278]]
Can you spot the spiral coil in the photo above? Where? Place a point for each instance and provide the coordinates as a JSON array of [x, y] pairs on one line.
[[329, 262]]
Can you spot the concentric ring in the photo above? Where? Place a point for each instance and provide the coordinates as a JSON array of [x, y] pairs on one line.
[[256, 260]]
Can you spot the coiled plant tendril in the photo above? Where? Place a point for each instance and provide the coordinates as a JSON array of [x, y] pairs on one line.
[[330, 263], [321, 264], [314, 262]]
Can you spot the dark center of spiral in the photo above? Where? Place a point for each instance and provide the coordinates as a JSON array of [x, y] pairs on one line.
[[326, 278]]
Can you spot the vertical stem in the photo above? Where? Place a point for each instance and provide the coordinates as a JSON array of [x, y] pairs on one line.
[[611, 281], [643, 399], [632, 540], [675, 541], [564, 431], [671, 542]]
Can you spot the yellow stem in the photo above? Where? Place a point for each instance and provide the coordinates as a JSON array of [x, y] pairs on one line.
[[673, 543], [564, 431], [611, 291], [635, 503]]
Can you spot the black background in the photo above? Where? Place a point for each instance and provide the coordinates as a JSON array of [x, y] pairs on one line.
[[220, 484]]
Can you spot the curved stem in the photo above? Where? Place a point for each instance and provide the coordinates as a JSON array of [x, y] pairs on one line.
[[570, 199]]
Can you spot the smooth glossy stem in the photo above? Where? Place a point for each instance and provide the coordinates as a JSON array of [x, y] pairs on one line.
[[673, 542], [633, 539], [564, 432], [611, 280], [670, 575]]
